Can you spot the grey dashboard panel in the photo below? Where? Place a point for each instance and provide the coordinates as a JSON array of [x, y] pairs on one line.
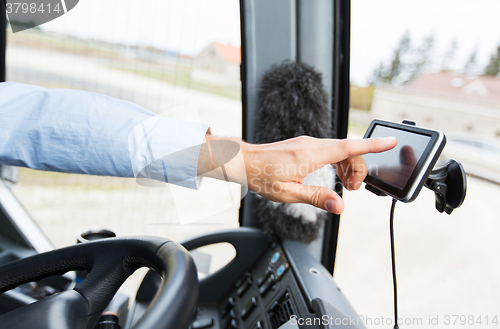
[[315, 280], [17, 224], [309, 287], [68, 302]]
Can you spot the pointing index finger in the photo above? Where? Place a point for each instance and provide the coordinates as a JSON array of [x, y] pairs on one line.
[[351, 147]]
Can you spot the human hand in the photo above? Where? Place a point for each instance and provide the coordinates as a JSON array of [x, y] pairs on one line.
[[277, 170]]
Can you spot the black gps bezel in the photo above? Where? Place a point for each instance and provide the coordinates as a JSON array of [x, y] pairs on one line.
[[433, 149]]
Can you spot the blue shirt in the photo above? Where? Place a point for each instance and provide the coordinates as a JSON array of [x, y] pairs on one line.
[[81, 132]]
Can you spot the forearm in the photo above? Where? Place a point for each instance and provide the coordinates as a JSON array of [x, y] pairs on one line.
[[223, 158], [65, 130]]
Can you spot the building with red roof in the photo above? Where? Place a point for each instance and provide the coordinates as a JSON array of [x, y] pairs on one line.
[[482, 89], [450, 101], [217, 64]]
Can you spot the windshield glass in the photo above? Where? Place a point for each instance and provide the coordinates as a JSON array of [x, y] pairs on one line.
[[175, 58]]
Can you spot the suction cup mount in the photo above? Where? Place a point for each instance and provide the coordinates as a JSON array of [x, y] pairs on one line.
[[449, 184]]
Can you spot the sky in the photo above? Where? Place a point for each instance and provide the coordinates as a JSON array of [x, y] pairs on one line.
[[185, 26], [377, 26]]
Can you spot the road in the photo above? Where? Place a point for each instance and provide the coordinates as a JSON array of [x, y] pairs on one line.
[[446, 264]]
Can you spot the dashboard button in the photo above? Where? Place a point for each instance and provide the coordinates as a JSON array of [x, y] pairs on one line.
[[232, 324], [258, 325], [264, 276], [244, 286], [245, 312], [203, 323], [243, 279], [281, 269], [276, 257], [227, 307], [266, 285]]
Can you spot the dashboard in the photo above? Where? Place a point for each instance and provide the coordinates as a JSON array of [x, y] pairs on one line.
[[263, 287]]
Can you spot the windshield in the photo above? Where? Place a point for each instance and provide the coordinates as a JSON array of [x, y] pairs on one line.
[[175, 58]]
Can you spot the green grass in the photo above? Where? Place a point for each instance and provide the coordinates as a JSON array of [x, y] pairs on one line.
[[52, 42], [356, 128], [30, 177], [181, 76], [361, 97]]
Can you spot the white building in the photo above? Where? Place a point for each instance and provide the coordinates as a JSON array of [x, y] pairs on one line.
[[217, 64], [444, 100]]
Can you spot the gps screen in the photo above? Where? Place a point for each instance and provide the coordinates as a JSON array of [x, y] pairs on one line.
[[396, 166]]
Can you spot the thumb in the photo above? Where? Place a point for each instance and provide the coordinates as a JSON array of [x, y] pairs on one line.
[[320, 197]]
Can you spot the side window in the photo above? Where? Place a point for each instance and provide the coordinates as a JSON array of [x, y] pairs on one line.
[[438, 64]]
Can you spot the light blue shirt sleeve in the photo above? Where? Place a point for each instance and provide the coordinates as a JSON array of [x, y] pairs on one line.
[[81, 132]]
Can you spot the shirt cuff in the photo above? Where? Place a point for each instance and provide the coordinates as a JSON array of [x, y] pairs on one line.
[[167, 150]]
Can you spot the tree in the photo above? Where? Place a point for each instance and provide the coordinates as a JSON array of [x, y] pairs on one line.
[[421, 58], [449, 56], [377, 75], [397, 65], [407, 62], [389, 74], [493, 67], [471, 63]]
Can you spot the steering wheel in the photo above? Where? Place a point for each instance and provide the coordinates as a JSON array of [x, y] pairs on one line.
[[109, 262]]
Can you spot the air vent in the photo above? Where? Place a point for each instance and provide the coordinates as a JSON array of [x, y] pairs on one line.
[[281, 311]]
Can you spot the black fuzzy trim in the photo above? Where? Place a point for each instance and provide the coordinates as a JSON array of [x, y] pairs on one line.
[[293, 103]]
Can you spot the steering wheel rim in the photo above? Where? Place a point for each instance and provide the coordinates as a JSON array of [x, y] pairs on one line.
[[109, 263]]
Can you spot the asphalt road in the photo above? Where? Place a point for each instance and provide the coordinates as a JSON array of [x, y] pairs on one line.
[[446, 264]]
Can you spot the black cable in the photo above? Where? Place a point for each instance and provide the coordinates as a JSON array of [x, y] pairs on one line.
[[393, 257]]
